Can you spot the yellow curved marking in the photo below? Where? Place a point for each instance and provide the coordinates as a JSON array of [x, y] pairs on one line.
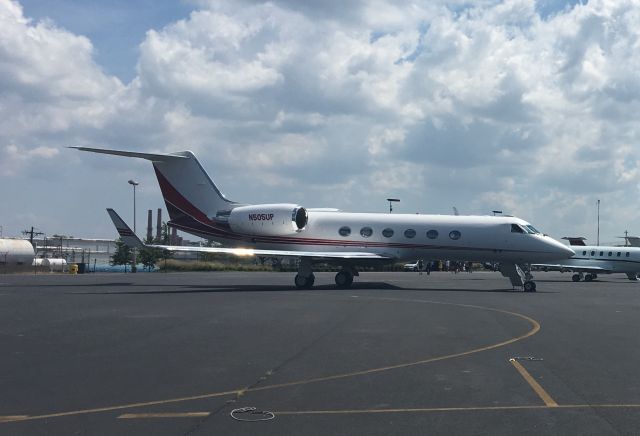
[[241, 391], [533, 331]]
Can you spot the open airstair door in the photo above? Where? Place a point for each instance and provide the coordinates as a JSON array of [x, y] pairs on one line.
[[517, 277]]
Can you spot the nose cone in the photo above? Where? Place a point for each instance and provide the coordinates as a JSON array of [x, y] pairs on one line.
[[558, 249]]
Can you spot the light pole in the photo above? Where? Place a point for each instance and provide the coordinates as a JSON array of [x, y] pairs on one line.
[[391, 201], [598, 233], [133, 250]]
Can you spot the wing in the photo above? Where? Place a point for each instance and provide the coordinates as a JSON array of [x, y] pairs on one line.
[[131, 240], [574, 268]]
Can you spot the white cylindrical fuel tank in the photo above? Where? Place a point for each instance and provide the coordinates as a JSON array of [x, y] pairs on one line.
[[15, 255], [55, 264]]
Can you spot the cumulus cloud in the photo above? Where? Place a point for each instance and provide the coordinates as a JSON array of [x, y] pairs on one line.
[[509, 105], [13, 158]]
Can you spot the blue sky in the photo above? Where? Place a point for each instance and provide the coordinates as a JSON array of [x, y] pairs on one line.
[[511, 105], [115, 27]]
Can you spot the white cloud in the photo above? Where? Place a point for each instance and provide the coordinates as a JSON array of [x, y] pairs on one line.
[[13, 158], [485, 105]]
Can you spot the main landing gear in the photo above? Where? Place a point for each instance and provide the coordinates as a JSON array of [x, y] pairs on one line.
[[344, 278], [305, 278], [587, 277], [304, 282]]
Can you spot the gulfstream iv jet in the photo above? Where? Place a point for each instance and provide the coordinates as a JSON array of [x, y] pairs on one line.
[[349, 240]]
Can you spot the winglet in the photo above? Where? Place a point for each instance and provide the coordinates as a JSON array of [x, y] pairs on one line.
[[126, 234]]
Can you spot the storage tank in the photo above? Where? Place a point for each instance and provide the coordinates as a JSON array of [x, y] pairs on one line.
[[15, 255], [55, 264]]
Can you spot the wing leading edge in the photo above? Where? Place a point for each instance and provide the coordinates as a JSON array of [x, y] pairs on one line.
[[574, 268], [131, 240]]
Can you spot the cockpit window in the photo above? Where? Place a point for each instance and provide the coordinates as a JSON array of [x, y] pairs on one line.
[[516, 229], [532, 229], [524, 228]]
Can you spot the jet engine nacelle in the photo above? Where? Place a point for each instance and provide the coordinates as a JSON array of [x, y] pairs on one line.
[[268, 219]]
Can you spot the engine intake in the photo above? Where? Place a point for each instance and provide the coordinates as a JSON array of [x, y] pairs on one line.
[[269, 219]]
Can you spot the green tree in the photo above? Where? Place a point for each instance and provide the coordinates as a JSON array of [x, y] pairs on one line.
[[122, 255], [149, 256]]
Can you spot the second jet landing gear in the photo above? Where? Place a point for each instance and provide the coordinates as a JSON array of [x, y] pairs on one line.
[[587, 277]]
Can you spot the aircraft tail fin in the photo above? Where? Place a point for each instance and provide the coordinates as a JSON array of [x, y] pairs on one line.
[[126, 234], [187, 189]]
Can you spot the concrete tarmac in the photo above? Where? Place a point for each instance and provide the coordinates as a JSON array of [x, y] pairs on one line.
[[398, 354]]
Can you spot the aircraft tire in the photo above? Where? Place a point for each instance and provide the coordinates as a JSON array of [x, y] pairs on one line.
[[529, 286], [302, 282], [575, 277], [588, 278], [344, 279]]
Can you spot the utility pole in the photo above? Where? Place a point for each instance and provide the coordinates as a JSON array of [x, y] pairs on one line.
[[31, 234], [133, 250]]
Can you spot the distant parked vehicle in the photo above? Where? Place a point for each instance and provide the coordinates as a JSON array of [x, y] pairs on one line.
[[412, 266]]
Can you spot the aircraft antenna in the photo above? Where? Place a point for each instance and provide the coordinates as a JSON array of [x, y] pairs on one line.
[[391, 201]]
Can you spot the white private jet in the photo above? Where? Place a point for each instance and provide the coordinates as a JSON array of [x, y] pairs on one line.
[[591, 260], [350, 240]]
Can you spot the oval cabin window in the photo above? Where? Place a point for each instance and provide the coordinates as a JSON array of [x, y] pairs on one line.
[[365, 232], [409, 233]]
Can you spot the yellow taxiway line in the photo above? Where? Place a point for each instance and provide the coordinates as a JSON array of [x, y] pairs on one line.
[[454, 409], [548, 401], [164, 415], [11, 418]]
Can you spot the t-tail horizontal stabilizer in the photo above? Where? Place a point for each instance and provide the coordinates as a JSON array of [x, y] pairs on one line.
[[126, 234]]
